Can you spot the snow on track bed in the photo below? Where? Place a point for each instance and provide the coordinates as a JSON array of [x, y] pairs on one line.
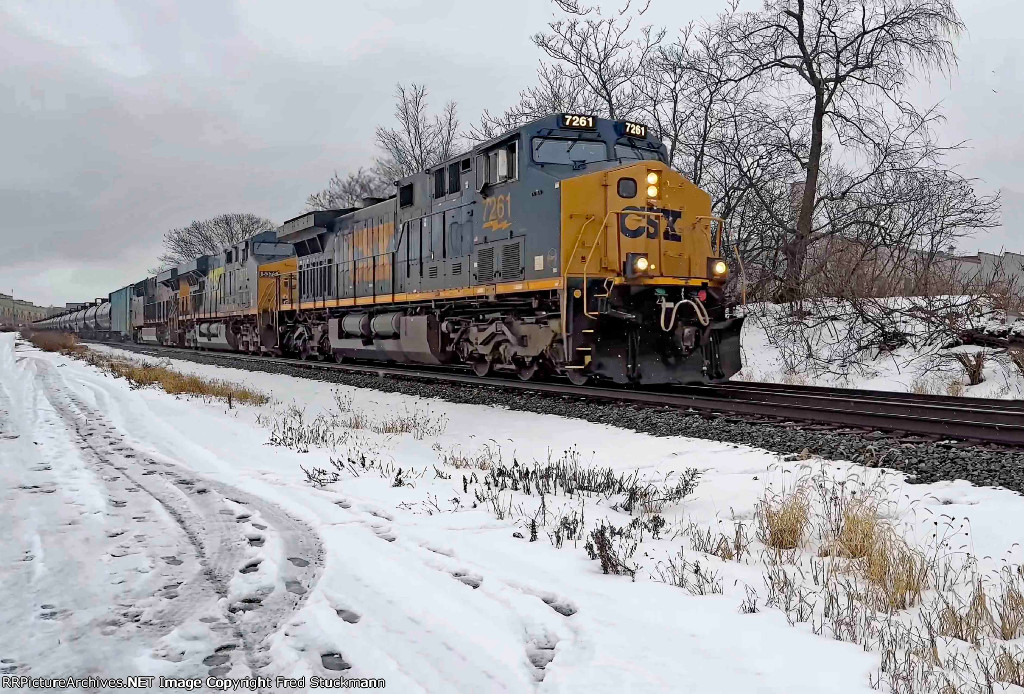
[[430, 597], [925, 461]]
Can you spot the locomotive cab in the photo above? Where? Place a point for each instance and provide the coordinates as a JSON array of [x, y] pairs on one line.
[[644, 297]]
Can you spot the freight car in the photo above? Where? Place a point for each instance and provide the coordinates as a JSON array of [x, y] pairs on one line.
[[567, 246]]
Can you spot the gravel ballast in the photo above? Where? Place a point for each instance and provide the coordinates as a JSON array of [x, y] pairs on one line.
[[923, 462]]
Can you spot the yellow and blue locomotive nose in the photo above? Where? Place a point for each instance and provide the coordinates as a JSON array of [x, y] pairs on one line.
[[645, 299], [638, 223]]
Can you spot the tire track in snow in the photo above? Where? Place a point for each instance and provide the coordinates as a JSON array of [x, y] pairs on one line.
[[212, 517]]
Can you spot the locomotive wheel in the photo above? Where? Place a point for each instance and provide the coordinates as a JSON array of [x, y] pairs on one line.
[[577, 377], [338, 357], [527, 371], [481, 367]]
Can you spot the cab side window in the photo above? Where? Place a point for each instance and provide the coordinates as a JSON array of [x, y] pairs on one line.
[[453, 178], [439, 183], [498, 165]]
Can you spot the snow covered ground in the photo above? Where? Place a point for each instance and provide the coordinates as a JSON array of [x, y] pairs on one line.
[[925, 370], [149, 534]]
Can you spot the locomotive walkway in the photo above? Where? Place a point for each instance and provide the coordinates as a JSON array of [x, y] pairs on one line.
[[931, 417]]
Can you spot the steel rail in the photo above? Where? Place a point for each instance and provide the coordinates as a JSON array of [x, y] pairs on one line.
[[910, 398], [969, 419]]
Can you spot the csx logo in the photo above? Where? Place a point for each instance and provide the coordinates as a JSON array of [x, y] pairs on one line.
[[649, 223]]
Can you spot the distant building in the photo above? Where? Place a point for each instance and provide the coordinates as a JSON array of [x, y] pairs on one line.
[[986, 268], [16, 312]]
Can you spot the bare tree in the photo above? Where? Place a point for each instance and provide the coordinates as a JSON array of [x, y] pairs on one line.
[[349, 191], [603, 54], [419, 141], [557, 91], [209, 236], [834, 63]]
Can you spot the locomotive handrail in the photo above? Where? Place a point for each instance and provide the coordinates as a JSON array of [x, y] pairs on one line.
[[721, 226], [590, 257], [586, 265]]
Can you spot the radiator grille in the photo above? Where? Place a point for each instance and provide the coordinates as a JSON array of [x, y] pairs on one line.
[[432, 272], [510, 266], [456, 268], [485, 265]]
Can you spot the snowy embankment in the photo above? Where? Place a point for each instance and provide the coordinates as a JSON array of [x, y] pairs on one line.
[[425, 554], [819, 355]]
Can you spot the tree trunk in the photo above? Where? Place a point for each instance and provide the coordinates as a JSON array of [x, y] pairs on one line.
[[796, 250]]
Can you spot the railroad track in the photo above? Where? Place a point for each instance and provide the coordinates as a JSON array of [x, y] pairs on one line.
[[929, 416]]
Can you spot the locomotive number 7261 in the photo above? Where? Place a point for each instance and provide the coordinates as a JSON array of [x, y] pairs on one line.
[[498, 212]]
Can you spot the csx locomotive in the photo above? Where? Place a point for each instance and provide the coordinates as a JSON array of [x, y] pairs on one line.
[[567, 246]]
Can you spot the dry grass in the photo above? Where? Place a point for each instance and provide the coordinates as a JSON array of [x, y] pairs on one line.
[[937, 623], [357, 419], [898, 573], [937, 386], [484, 459], [1008, 606], [861, 527], [1009, 666], [967, 620], [416, 422], [794, 379], [923, 386], [64, 343], [145, 375], [782, 521], [719, 544]]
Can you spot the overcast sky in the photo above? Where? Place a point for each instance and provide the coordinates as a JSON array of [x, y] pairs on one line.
[[119, 120]]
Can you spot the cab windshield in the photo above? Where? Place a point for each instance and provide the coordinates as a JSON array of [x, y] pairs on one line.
[[561, 150], [634, 152]]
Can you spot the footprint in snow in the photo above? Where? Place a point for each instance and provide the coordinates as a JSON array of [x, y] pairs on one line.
[[298, 561], [256, 540], [349, 616], [295, 587], [470, 579], [334, 661], [246, 604], [562, 606], [219, 656], [443, 551], [250, 568], [540, 652], [50, 613], [385, 534], [173, 561]]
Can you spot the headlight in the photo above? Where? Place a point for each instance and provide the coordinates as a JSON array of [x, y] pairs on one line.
[[652, 191], [636, 265], [652, 178], [719, 268]]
